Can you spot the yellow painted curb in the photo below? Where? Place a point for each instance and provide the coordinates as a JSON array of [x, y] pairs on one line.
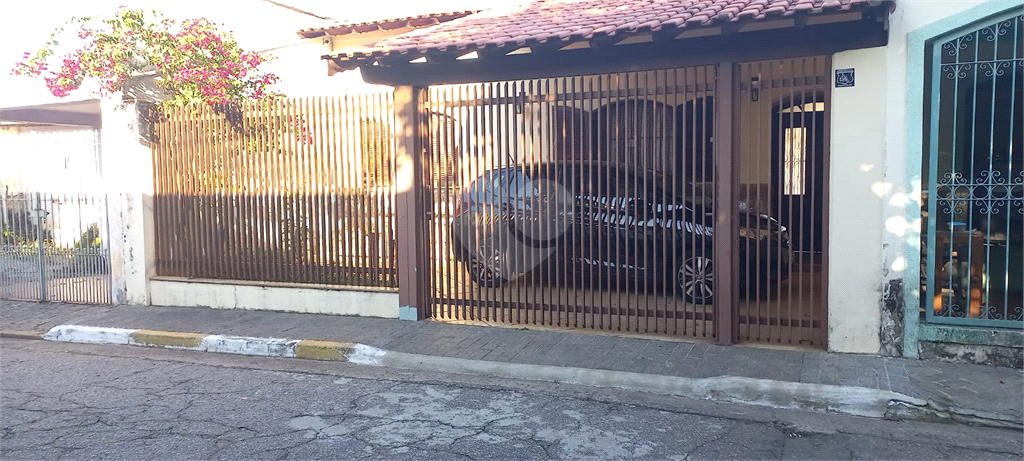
[[323, 350], [21, 334], [167, 339]]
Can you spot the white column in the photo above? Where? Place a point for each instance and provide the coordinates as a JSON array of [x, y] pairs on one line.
[[857, 192], [127, 172]]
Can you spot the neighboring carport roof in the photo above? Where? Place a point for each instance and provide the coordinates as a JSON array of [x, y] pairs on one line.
[[564, 22], [425, 20], [75, 113]]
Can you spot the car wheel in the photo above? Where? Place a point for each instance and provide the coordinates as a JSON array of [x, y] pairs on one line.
[[485, 267], [695, 279]]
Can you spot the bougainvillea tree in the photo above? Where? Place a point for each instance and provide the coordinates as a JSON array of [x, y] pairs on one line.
[[191, 60]]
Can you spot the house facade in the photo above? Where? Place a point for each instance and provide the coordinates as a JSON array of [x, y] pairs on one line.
[[853, 95], [838, 174]]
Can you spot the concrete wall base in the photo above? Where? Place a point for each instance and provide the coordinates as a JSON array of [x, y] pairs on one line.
[[1000, 356], [312, 300]]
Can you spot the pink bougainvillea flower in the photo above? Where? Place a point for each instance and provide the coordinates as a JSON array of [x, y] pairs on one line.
[[193, 61]]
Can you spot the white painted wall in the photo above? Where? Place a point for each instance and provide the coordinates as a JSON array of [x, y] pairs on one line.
[[875, 179], [254, 296], [855, 203], [49, 158]]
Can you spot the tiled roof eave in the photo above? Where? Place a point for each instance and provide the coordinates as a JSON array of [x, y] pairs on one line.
[[420, 21], [609, 34]]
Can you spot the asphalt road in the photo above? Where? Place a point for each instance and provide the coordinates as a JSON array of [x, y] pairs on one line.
[[76, 401]]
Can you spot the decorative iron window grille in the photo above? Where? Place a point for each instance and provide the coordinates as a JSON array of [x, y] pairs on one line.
[[974, 177]]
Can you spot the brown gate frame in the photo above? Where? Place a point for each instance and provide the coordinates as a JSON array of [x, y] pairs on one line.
[[411, 120], [412, 210], [727, 307]]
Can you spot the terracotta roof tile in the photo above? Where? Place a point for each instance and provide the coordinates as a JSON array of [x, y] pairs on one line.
[[384, 24], [540, 21]]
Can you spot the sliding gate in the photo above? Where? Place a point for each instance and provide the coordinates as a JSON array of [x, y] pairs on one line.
[[587, 202], [575, 202]]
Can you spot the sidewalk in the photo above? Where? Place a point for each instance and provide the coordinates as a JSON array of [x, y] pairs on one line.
[[973, 394]]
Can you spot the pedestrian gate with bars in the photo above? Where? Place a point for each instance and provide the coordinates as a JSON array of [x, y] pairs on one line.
[[974, 177], [587, 201], [54, 248]]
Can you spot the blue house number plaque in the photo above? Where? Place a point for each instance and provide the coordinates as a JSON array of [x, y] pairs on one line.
[[844, 78]]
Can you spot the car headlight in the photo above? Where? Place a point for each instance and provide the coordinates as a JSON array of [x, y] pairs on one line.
[[755, 234]]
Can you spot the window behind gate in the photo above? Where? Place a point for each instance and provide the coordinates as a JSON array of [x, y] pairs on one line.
[[973, 177]]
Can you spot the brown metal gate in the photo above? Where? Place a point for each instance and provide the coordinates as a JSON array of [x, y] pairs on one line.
[[589, 201], [579, 202], [782, 137]]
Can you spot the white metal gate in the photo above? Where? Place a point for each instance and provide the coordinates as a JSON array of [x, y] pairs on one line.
[[54, 247]]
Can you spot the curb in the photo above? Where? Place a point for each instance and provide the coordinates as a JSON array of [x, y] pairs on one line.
[[21, 334], [821, 398], [241, 345]]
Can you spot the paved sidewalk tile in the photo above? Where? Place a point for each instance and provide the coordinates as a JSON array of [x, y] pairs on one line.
[[989, 389]]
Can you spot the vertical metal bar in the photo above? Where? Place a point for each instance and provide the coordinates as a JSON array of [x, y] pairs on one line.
[[753, 261], [509, 133], [487, 107], [320, 156], [39, 247], [365, 204], [985, 301], [441, 195], [344, 203], [207, 192], [339, 220], [244, 191], [641, 134], [1009, 167], [536, 95], [447, 108], [651, 147], [544, 125], [311, 192], [279, 210], [934, 295], [778, 194], [603, 184], [700, 95], [969, 157], [283, 207], [188, 127], [587, 183], [458, 97], [559, 107], [811, 155], [677, 173], [571, 181], [797, 183], [529, 158], [439, 246], [826, 159], [787, 195], [387, 185], [484, 236], [261, 115], [301, 192], [953, 164]]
